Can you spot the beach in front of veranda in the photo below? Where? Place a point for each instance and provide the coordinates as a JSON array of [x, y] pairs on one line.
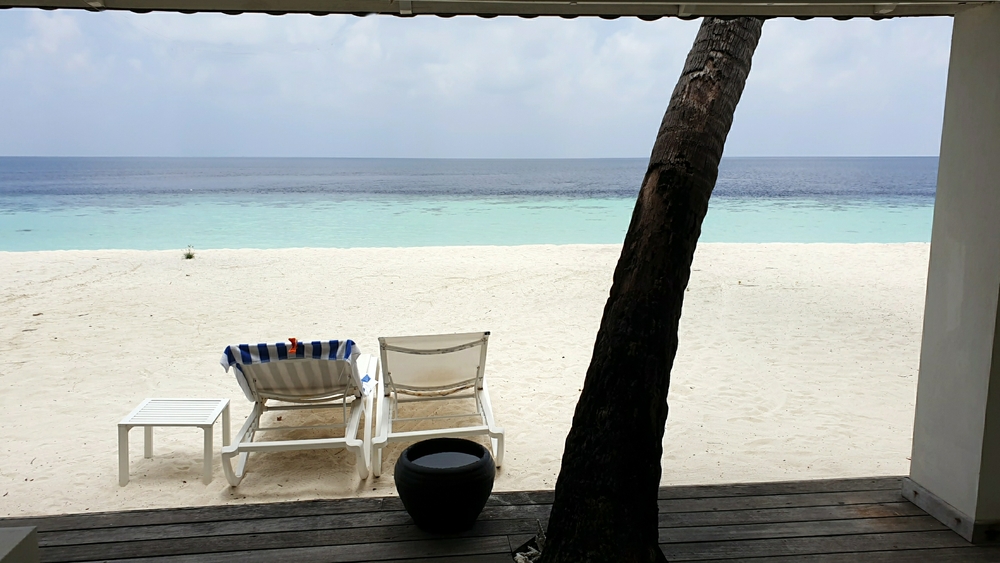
[[796, 361]]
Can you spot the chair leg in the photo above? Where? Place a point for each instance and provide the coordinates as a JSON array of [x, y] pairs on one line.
[[496, 434], [147, 449], [362, 451], [246, 434], [377, 461], [361, 462], [241, 465], [498, 449], [232, 477], [385, 429], [367, 442], [381, 420]]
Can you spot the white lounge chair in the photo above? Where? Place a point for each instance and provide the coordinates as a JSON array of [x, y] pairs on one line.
[[304, 375], [433, 368]]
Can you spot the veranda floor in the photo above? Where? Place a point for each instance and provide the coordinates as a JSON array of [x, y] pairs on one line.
[[841, 520]]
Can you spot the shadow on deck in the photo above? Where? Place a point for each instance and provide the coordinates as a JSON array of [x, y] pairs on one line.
[[838, 520]]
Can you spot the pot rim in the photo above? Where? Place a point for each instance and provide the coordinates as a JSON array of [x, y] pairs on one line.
[[441, 445]]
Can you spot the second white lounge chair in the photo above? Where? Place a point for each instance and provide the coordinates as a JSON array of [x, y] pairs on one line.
[[302, 375], [433, 368]]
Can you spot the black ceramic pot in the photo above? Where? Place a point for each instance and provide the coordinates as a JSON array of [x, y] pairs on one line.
[[444, 483]]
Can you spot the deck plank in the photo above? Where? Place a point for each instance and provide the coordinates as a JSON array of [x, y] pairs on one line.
[[944, 555], [462, 548], [196, 514], [772, 547], [274, 540], [813, 529], [494, 558], [783, 487], [779, 501], [797, 514]]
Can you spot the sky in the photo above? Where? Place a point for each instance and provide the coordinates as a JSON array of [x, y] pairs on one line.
[[76, 83]]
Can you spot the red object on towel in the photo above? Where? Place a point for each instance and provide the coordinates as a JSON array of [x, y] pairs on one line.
[[295, 345]]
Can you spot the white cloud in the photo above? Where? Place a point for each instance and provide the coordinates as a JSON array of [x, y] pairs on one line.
[[826, 87], [51, 31], [210, 84], [46, 35]]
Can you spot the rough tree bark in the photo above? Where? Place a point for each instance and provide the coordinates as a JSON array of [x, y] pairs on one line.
[[605, 500]]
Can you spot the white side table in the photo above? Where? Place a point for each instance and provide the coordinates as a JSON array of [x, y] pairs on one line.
[[173, 412]]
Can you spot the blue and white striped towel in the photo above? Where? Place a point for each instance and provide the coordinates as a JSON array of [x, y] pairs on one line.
[[332, 350]]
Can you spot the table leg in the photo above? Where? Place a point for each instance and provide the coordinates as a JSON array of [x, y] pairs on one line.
[[147, 449], [206, 476], [122, 455], [225, 425]]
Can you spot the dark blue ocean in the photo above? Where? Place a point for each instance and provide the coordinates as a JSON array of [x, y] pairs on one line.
[[171, 203]]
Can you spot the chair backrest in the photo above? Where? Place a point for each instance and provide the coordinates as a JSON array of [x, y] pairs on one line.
[[437, 364], [314, 371]]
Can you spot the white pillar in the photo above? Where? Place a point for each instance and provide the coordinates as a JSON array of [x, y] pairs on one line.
[[955, 468]]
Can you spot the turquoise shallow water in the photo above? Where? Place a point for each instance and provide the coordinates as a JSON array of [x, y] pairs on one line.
[[162, 204], [429, 222]]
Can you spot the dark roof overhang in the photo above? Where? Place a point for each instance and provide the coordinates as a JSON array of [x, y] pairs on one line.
[[610, 9]]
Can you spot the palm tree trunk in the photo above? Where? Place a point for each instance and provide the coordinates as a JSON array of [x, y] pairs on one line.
[[605, 505]]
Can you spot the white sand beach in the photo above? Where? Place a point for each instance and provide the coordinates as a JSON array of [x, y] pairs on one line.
[[796, 361]]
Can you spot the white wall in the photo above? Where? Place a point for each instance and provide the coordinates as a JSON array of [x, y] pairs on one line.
[[956, 438]]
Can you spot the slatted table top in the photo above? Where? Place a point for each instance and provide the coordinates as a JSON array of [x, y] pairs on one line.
[[175, 412], [819, 521]]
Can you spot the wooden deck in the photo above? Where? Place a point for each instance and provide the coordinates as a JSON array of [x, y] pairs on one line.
[[843, 520]]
